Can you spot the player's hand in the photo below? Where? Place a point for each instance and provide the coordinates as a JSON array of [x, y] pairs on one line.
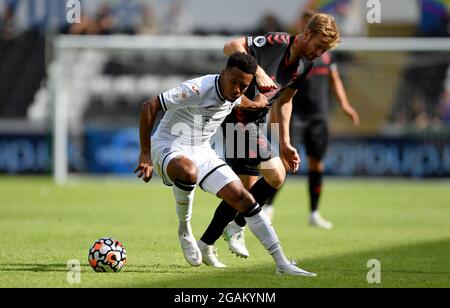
[[290, 158], [353, 114], [145, 167], [261, 100], [264, 82]]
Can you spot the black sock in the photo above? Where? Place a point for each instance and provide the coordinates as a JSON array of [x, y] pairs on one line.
[[315, 188], [261, 191], [271, 199], [224, 214]]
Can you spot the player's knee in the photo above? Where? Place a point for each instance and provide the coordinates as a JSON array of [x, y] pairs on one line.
[[276, 178], [244, 201], [315, 164], [184, 170], [189, 174]]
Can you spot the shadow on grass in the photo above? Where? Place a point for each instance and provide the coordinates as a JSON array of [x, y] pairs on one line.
[[33, 267], [424, 264], [40, 267], [417, 265]]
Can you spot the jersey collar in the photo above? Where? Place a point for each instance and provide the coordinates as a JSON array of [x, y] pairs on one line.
[[219, 94], [287, 54]]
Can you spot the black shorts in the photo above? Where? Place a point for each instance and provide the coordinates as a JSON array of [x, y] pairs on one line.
[[315, 135], [246, 157]]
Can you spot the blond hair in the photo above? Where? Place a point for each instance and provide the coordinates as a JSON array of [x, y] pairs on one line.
[[324, 26]]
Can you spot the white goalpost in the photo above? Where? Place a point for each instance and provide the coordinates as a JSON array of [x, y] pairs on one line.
[[70, 75]]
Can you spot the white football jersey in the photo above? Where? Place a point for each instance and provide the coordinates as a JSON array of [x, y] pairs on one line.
[[194, 111]]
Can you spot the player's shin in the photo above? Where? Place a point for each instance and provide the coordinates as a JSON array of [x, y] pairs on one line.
[[184, 196], [261, 191], [261, 227], [315, 189], [222, 216]]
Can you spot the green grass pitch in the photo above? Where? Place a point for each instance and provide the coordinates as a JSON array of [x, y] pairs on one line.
[[403, 224]]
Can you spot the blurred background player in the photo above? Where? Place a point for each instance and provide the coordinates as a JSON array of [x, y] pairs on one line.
[[310, 115], [281, 57], [180, 151]]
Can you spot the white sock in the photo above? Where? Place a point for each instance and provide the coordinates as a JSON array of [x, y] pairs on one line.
[[268, 209], [184, 200], [261, 227], [280, 259]]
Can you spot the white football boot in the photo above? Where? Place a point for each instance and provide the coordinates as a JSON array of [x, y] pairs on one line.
[[191, 252], [209, 255], [316, 220], [293, 270], [234, 235]]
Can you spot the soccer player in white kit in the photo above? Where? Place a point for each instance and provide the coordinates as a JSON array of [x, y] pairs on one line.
[[182, 155]]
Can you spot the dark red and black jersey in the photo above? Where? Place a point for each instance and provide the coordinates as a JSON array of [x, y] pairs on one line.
[[272, 52], [313, 100]]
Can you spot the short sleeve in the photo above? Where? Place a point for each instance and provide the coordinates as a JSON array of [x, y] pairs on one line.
[[185, 95], [270, 39]]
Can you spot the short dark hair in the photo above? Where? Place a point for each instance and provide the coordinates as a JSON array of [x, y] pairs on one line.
[[243, 61]]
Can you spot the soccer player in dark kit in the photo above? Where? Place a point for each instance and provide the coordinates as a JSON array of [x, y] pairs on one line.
[[281, 58], [310, 117]]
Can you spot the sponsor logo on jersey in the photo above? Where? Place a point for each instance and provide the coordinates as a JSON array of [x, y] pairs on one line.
[[260, 41]]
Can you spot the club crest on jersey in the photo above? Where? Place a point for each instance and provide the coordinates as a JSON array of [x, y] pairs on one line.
[[260, 41], [195, 89]]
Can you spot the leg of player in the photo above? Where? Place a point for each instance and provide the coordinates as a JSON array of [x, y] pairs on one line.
[[237, 196], [223, 216], [183, 172], [315, 176], [268, 207], [234, 233], [274, 174]]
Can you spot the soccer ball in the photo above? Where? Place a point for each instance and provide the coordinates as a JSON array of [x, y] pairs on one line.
[[107, 255]]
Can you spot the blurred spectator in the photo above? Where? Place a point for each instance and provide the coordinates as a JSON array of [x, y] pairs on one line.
[[444, 104], [444, 108], [177, 20], [268, 23], [128, 15], [86, 26], [105, 21], [419, 94], [102, 24], [7, 29], [149, 21]]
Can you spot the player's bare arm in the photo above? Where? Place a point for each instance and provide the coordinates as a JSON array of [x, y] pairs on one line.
[[282, 113], [149, 111], [264, 82], [260, 101], [341, 95]]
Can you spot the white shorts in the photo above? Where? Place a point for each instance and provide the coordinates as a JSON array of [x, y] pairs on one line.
[[213, 173]]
